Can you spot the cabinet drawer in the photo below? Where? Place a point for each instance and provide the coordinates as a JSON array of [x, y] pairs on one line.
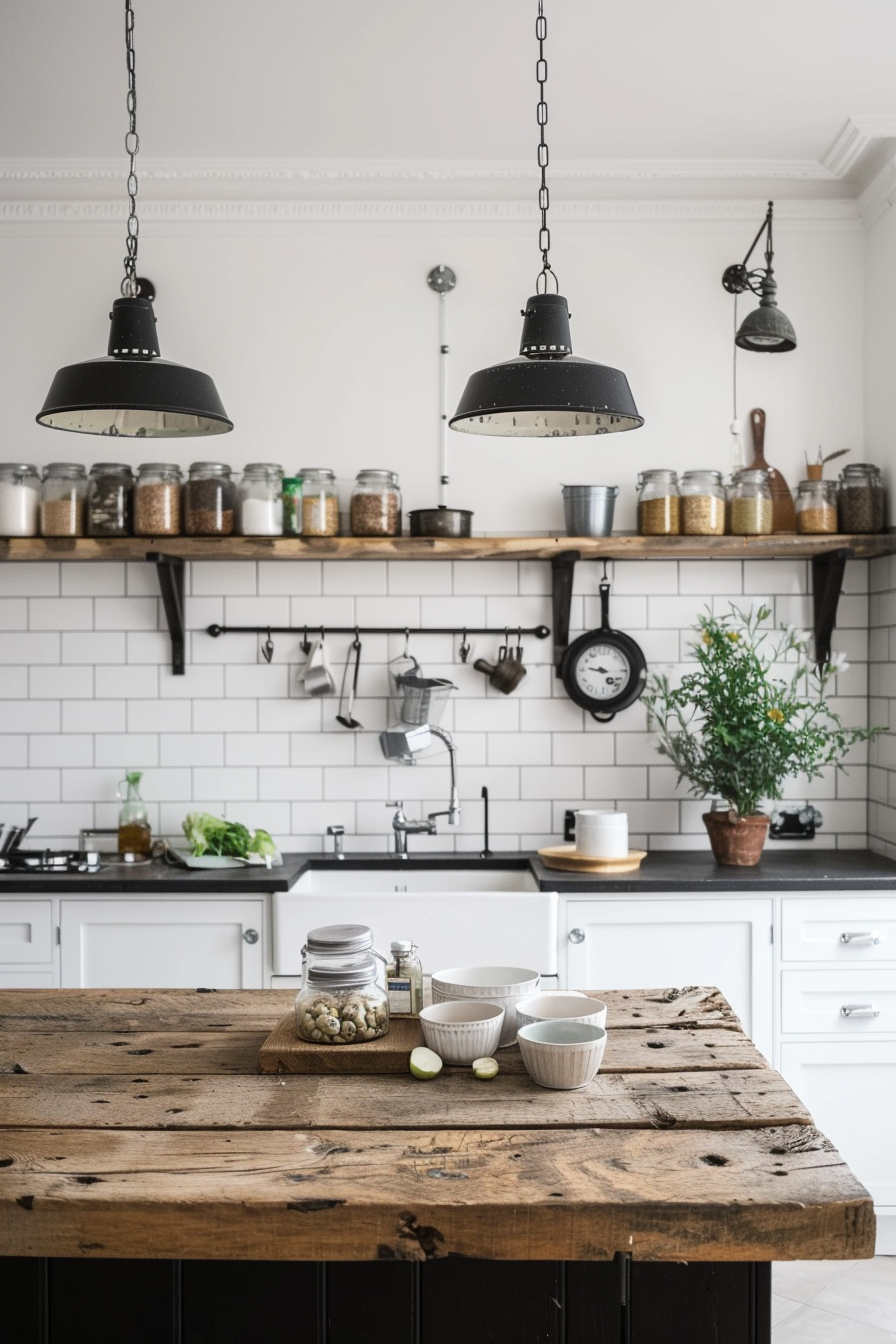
[[26, 932], [26, 979], [843, 929], [813, 1001]]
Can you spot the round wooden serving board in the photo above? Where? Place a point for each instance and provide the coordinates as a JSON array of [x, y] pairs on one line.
[[566, 857]]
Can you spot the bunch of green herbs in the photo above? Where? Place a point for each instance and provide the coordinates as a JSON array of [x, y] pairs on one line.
[[213, 835]]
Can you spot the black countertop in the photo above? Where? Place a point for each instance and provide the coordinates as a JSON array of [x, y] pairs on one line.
[[674, 871]]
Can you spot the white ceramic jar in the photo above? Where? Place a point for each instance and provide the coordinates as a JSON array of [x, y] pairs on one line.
[[601, 834]]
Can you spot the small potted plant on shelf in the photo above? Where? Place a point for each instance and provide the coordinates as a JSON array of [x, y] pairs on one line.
[[751, 715]]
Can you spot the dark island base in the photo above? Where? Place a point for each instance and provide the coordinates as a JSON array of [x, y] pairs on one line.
[[435, 1302]]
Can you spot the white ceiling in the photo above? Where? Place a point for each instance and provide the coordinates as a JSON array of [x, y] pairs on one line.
[[694, 83]]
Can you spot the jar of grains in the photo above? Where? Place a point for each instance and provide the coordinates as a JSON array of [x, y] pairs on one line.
[[376, 504], [157, 499], [292, 506], [320, 502], [861, 502], [340, 1001], [658, 504], [259, 500], [702, 504], [816, 506], [19, 500], [209, 500], [751, 503], [110, 497], [63, 500]]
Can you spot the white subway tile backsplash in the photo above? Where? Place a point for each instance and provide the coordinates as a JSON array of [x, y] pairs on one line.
[[583, 748], [256, 749], [406, 578], [13, 684], [198, 683], [54, 683], [31, 580], [95, 716], [651, 577], [191, 749], [616, 781], [90, 578], [240, 716], [232, 784], [518, 748], [141, 579], [473, 577], [127, 613], [305, 782], [557, 716], [261, 680], [364, 781], [150, 646], [484, 716], [289, 577], [128, 751], [159, 716], [256, 611], [123, 682], [327, 748], [96, 785], [94, 647], [53, 751], [14, 750], [22, 647], [13, 613], [224, 578], [354, 577], [720, 577]]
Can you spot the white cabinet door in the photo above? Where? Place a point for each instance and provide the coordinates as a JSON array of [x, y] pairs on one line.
[[26, 979], [26, 932], [636, 944], [849, 1088], [162, 944]]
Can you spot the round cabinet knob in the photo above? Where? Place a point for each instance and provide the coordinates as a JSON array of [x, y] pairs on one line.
[[577, 935], [251, 936]]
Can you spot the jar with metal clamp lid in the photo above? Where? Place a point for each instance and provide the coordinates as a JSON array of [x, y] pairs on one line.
[[110, 497], [341, 1001], [63, 500], [861, 501], [320, 502], [19, 499], [702, 504], [376, 504], [751, 504], [659, 504], [259, 500], [816, 506]]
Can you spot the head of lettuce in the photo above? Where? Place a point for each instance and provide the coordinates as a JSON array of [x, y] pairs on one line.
[[230, 839]]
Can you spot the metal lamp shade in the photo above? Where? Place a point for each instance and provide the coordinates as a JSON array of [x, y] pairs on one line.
[[767, 331]]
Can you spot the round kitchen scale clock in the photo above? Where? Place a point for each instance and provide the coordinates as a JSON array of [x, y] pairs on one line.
[[604, 670]]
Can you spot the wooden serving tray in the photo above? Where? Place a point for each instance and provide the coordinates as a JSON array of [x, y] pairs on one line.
[[565, 857], [284, 1052]]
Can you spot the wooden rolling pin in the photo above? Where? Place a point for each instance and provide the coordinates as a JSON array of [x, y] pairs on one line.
[[783, 512]]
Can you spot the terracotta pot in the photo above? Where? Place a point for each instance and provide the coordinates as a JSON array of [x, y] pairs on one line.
[[736, 843]]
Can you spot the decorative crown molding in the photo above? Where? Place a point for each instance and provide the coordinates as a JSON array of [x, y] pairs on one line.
[[856, 138]]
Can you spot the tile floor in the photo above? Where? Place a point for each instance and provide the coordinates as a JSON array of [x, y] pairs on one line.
[[834, 1301]]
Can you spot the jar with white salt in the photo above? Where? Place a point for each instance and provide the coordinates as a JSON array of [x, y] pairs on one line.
[[19, 500], [259, 500]]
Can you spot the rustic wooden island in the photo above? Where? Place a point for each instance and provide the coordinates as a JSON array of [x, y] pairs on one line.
[[154, 1186]]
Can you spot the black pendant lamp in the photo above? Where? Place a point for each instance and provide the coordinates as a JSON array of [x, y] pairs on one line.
[[766, 329], [131, 391], [547, 392]]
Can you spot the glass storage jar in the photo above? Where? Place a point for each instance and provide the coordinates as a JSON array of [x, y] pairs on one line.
[[659, 504], [320, 502], [157, 499], [63, 499], [702, 504], [110, 492], [209, 500], [816, 506], [751, 503], [861, 502], [259, 500], [19, 500], [376, 504], [404, 979], [292, 506], [341, 1001]]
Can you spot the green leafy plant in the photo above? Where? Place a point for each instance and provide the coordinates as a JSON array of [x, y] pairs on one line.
[[753, 713], [213, 835]]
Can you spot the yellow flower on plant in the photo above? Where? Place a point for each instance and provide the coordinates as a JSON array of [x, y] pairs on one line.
[[707, 637], [733, 635], [776, 716]]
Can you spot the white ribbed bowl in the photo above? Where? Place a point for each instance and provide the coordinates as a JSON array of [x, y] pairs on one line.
[[562, 1055], [501, 985], [556, 1005], [462, 1030]]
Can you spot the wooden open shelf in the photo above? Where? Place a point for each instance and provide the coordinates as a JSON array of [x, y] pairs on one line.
[[625, 547]]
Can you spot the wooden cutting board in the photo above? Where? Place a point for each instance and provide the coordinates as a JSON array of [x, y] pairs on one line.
[[567, 858], [783, 512], [284, 1052]]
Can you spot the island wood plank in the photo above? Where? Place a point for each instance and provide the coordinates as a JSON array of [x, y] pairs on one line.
[[773, 1194]]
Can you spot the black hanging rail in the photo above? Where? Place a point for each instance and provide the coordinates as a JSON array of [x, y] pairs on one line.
[[507, 631]]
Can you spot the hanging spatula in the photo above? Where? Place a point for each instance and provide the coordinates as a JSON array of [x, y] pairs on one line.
[[783, 512]]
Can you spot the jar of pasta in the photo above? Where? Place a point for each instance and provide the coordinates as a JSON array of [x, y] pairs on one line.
[[320, 502], [751, 503], [702, 504], [659, 504]]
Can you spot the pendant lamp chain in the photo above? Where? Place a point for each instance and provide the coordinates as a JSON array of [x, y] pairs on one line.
[[541, 75], [129, 286]]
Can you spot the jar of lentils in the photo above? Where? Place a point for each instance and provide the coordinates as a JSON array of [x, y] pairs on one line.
[[702, 504], [341, 1001], [63, 500], [19, 500], [320, 502], [751, 503], [861, 501], [110, 498], [659, 504], [816, 506], [259, 500], [376, 504], [157, 499], [209, 501]]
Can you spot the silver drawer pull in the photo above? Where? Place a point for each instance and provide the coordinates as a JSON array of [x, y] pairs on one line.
[[251, 936], [859, 1010], [863, 939]]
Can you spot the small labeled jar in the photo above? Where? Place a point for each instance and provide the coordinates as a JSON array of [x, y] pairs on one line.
[[320, 502], [659, 504], [751, 503], [157, 499], [19, 500], [702, 504], [63, 500], [341, 1001], [376, 504], [259, 500], [861, 501], [209, 499], [292, 506], [404, 979], [816, 506], [110, 497]]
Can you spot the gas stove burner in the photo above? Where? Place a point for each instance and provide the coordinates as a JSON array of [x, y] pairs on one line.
[[51, 861]]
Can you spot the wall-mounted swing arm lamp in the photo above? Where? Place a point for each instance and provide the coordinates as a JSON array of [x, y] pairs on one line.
[[131, 391], [766, 330], [547, 391]]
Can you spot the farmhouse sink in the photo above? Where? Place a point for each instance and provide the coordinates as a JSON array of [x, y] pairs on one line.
[[400, 876]]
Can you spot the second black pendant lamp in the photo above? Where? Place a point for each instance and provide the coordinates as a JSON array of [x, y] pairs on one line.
[[547, 391], [131, 391]]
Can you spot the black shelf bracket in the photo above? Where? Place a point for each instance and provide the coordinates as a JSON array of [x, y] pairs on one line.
[[827, 581], [563, 571], [170, 569]]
